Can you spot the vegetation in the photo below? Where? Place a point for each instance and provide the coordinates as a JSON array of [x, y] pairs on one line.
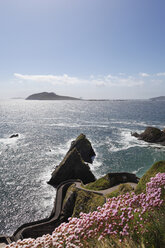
[[122, 189], [156, 168], [85, 201], [100, 184]]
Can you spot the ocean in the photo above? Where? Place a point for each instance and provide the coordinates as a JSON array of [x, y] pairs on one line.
[[46, 129]]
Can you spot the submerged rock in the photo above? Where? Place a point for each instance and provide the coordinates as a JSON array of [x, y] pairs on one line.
[[72, 167], [152, 135], [84, 147]]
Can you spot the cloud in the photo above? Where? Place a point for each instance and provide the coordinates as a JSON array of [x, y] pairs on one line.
[[160, 74], [108, 80], [144, 74], [128, 81], [53, 79]]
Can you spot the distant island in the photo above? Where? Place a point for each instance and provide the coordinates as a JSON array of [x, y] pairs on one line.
[[159, 98], [50, 96]]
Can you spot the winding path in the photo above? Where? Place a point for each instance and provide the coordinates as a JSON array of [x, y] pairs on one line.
[[105, 191]]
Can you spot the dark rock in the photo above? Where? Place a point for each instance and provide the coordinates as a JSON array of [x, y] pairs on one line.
[[69, 204], [135, 134], [122, 177], [84, 147], [72, 167], [152, 135], [14, 135]]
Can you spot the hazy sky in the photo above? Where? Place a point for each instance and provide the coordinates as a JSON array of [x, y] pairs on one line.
[[84, 48]]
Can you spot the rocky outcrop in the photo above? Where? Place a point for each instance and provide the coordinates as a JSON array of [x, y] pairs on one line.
[[151, 135], [122, 177], [14, 136], [84, 147], [72, 167]]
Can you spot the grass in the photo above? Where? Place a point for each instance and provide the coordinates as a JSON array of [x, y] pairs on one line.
[[100, 184], [85, 201], [122, 189], [156, 168]]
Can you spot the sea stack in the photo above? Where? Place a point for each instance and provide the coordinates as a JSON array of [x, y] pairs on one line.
[[84, 147], [73, 165]]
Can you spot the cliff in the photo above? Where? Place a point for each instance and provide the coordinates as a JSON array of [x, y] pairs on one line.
[[49, 96]]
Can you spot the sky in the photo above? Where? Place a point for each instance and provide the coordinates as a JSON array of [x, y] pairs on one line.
[[99, 49]]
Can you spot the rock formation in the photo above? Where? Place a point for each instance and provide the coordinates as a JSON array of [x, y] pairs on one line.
[[49, 96], [121, 177], [14, 136], [83, 146], [72, 167], [151, 135]]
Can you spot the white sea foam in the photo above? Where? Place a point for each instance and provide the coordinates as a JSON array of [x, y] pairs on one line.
[[136, 171], [96, 164], [9, 141], [131, 122], [126, 141], [61, 149], [75, 125]]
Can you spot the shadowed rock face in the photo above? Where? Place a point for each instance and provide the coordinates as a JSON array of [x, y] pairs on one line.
[[84, 147], [152, 135], [122, 177], [72, 167]]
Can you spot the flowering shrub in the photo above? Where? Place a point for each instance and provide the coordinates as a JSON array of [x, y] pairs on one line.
[[125, 216]]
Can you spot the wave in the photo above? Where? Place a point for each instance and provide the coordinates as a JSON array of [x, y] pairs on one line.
[[136, 171], [142, 123], [126, 141], [78, 125], [96, 164], [10, 141]]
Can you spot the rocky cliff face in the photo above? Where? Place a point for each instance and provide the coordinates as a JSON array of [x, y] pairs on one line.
[[152, 135], [84, 147], [72, 167]]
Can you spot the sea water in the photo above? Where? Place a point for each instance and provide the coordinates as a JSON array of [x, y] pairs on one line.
[[46, 129]]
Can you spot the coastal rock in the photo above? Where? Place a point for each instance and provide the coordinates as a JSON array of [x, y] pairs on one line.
[[14, 136], [72, 167], [135, 134], [84, 147], [152, 135], [122, 177]]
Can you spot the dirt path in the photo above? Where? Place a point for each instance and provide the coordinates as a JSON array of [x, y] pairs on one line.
[[105, 191]]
